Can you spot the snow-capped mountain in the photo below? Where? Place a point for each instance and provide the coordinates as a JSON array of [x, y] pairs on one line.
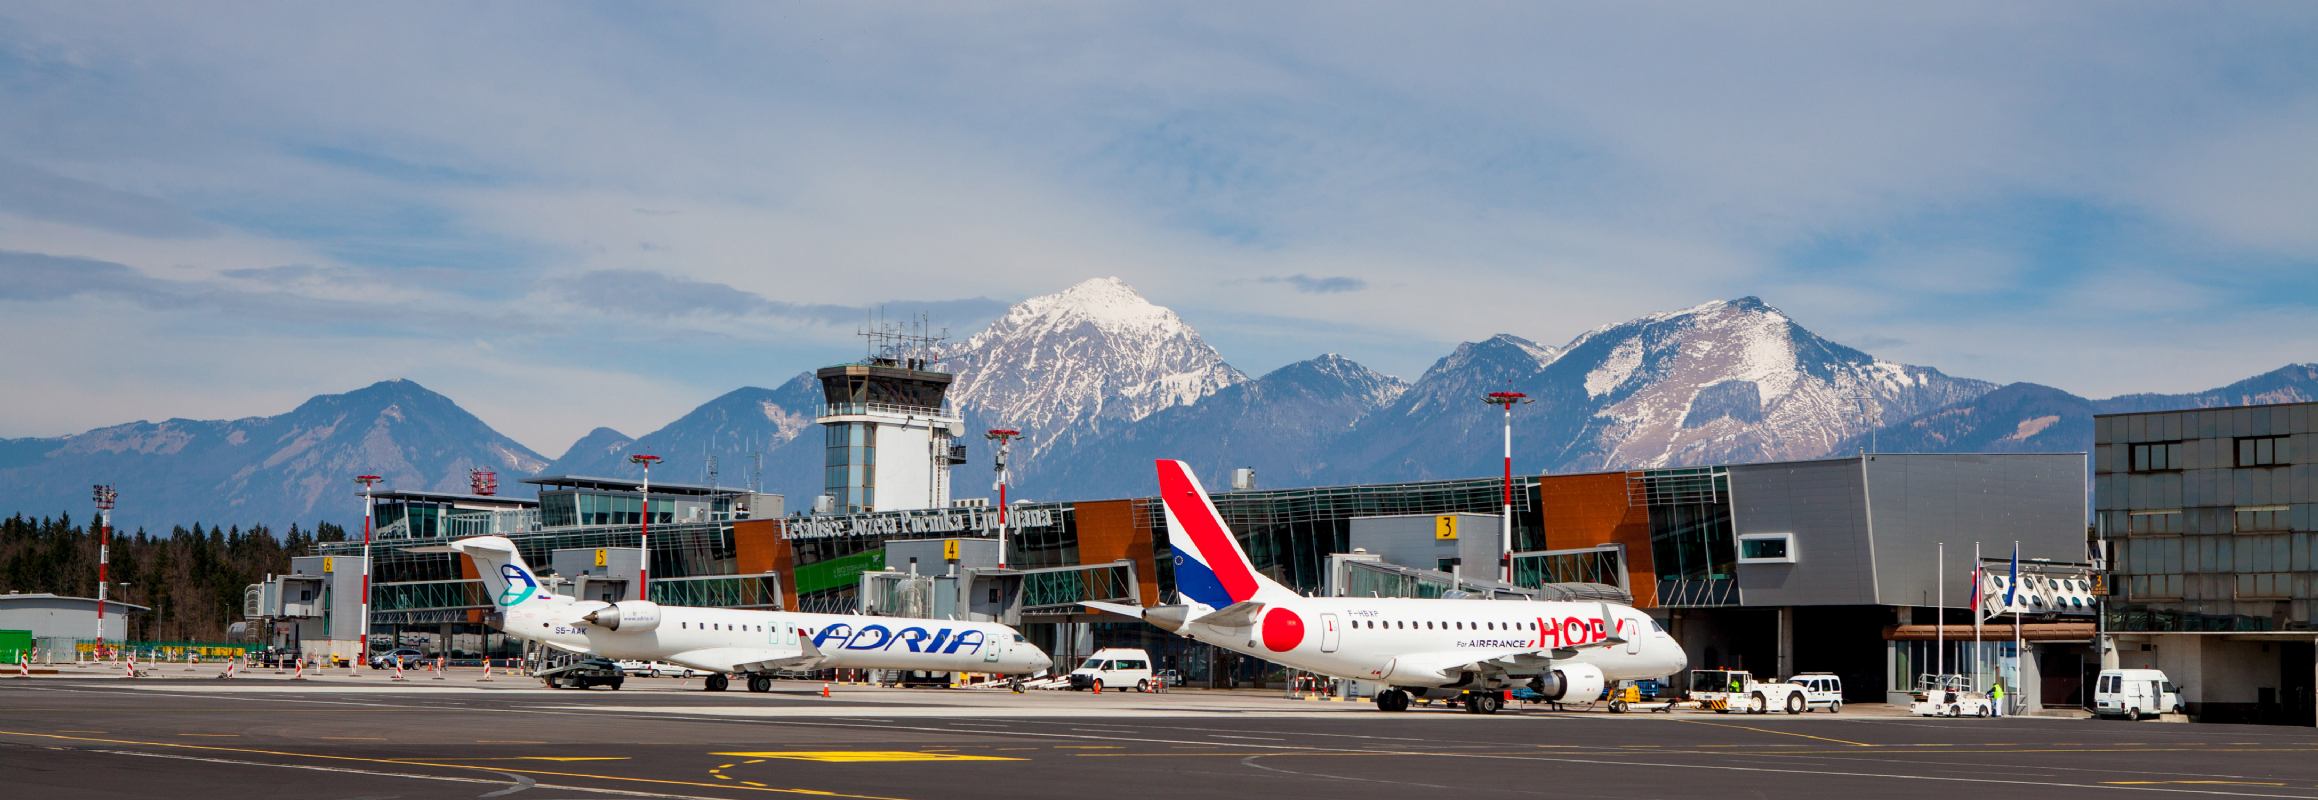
[[293, 467], [1285, 424], [1081, 361], [1726, 381]]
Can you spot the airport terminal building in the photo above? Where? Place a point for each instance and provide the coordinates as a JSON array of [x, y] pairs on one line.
[[1820, 565], [2210, 517]]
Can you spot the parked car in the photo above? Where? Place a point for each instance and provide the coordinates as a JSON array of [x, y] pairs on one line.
[[1171, 677], [1820, 690], [1114, 668], [655, 669], [406, 657]]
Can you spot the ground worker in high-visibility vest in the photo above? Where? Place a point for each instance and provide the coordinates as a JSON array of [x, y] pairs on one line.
[[1996, 698]]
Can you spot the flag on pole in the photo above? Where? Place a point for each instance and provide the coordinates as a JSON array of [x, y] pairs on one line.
[[1976, 592], [2012, 587]]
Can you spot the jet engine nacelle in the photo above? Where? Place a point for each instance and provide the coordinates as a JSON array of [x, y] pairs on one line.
[[632, 616], [1573, 683]]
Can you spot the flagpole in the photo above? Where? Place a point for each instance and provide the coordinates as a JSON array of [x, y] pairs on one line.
[[1976, 617], [1940, 614], [2019, 648]]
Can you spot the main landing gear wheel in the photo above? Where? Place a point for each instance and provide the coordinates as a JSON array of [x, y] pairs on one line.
[[1392, 700], [1795, 704], [716, 683], [760, 683]]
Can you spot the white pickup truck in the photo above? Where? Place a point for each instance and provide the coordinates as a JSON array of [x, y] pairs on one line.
[[1727, 690]]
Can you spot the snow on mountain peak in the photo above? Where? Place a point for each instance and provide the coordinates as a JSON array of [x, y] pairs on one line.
[[1066, 364]]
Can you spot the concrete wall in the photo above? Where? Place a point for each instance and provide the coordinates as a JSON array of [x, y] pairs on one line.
[[1824, 505], [1917, 501]]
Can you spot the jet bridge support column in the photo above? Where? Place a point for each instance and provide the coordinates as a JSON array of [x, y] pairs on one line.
[[1786, 660]]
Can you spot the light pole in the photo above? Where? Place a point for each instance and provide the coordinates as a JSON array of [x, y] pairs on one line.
[[104, 496], [362, 653], [644, 542], [1005, 438], [1507, 400]]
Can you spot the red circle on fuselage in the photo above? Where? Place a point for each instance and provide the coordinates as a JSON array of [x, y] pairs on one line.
[[1283, 630]]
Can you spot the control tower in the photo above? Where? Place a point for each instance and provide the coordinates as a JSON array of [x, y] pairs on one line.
[[891, 437]]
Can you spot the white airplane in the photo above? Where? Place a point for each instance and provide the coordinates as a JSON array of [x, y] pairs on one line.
[[1421, 648], [724, 641]]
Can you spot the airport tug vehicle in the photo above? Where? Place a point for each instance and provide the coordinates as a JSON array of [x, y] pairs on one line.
[[1725, 690]]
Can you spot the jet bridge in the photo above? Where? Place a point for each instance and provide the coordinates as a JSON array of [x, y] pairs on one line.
[[1361, 574]]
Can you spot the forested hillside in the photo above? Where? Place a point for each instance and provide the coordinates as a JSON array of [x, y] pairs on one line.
[[191, 578]]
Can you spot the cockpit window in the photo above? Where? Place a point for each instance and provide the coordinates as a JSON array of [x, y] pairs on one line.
[[1018, 638]]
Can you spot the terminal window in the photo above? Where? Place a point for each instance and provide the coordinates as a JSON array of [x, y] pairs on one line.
[[2261, 451], [2157, 457]]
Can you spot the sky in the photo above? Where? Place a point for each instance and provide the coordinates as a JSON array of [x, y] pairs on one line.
[[569, 214]]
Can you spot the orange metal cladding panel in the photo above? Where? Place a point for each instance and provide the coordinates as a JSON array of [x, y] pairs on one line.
[[467, 570], [1591, 510], [758, 547], [1107, 532]]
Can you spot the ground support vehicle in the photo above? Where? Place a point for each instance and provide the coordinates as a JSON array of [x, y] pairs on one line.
[[582, 673], [1820, 690], [1632, 696], [1727, 690], [1115, 668], [2134, 694], [1950, 696]]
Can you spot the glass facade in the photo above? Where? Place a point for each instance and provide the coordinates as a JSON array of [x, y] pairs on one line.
[[1692, 546], [849, 465], [2209, 516], [1289, 533]]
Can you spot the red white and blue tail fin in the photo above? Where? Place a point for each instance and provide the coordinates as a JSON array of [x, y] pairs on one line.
[[1210, 568]]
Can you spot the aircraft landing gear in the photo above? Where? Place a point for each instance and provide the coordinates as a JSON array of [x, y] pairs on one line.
[[1392, 700], [1484, 702], [716, 682], [760, 683]]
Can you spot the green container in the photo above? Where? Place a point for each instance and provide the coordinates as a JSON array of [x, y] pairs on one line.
[[15, 646]]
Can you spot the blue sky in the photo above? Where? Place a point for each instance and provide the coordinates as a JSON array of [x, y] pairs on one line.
[[572, 214]]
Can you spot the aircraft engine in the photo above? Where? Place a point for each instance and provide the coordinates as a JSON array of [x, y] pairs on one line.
[[633, 616], [1573, 683]]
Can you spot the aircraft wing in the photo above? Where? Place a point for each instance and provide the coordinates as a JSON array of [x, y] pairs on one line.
[[1446, 666], [749, 659]]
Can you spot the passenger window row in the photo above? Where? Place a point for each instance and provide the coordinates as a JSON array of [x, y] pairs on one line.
[[1428, 625]]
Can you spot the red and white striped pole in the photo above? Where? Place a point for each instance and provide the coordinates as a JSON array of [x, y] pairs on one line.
[[362, 651], [644, 541], [104, 496], [1507, 400]]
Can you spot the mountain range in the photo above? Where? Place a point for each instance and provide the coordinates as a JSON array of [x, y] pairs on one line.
[[1101, 381]]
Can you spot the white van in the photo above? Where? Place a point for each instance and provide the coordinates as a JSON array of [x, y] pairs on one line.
[[2134, 694], [1115, 668], [1820, 690]]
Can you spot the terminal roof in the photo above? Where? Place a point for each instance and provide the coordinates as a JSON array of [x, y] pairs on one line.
[[551, 482]]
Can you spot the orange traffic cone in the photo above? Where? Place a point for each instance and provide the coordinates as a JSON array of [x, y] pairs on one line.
[[824, 688]]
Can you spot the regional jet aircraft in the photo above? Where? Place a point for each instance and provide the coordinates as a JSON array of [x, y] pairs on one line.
[[1420, 648], [732, 642]]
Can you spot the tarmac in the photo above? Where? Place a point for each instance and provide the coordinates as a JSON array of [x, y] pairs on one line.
[[178, 733]]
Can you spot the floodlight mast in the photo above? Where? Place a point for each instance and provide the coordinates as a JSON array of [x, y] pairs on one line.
[[362, 653], [104, 496], [1507, 400], [644, 541], [1005, 438]]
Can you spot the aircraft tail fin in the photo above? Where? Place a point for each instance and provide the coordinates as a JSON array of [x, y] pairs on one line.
[[505, 576], [1211, 569]]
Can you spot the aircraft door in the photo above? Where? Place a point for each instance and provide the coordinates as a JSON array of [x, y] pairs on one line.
[[1635, 630], [1328, 633], [997, 646]]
